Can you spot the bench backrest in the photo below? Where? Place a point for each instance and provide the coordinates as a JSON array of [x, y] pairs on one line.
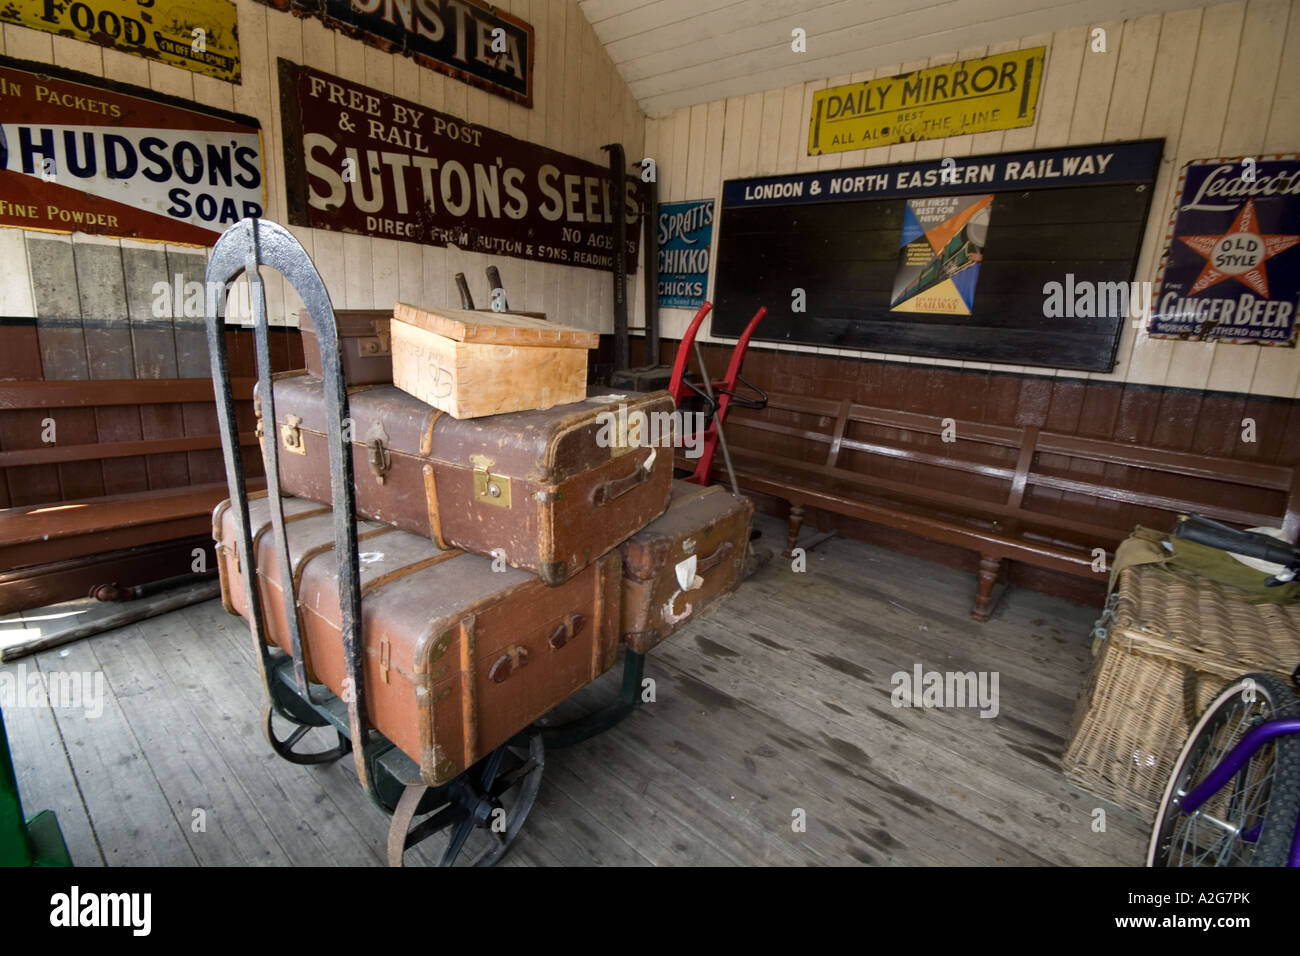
[[115, 436], [1071, 485]]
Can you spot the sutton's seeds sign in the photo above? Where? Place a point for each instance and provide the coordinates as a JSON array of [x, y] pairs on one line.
[[197, 35], [79, 154], [973, 96], [361, 161]]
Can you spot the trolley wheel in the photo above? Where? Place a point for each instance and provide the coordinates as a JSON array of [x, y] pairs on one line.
[[1250, 821], [482, 811], [285, 747]]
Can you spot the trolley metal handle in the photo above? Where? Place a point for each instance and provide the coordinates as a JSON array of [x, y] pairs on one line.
[[242, 248]]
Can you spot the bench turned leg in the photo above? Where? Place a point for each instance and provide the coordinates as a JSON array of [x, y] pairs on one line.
[[990, 572], [796, 522]]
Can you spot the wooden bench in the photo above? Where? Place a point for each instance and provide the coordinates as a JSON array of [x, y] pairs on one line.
[[174, 492], [1008, 493]]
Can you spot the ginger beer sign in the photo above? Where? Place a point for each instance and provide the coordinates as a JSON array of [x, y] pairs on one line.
[[973, 96], [1232, 269]]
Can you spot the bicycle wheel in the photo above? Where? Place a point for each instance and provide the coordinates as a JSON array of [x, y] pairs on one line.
[[1250, 821]]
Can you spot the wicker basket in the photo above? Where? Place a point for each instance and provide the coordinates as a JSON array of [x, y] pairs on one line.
[[1173, 643]]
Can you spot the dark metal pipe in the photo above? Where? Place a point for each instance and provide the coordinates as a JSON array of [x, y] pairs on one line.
[[462, 286], [495, 283], [618, 191], [114, 592], [651, 278]]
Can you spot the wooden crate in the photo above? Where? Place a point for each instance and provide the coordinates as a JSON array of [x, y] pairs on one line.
[[471, 364], [1173, 644]]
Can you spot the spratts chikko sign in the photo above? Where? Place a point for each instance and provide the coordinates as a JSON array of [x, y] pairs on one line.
[[685, 234], [197, 35], [1232, 269], [361, 161], [78, 154], [973, 96]]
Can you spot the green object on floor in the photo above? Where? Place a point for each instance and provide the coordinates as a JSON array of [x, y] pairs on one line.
[[25, 842]]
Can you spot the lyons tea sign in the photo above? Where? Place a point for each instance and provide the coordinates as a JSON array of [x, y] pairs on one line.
[[360, 161], [473, 42], [80, 154]]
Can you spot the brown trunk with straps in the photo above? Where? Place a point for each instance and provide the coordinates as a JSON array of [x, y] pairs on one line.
[[549, 490], [458, 657], [365, 345], [684, 563]]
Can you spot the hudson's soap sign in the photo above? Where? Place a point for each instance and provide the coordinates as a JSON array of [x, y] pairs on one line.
[[81, 154], [362, 161], [474, 42]]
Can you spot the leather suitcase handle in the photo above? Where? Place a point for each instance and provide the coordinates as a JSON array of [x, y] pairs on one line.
[[720, 554], [617, 487]]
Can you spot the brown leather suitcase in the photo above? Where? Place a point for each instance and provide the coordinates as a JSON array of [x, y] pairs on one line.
[[684, 563], [365, 345], [549, 490], [458, 657]]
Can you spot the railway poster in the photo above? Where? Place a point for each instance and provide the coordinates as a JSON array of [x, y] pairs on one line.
[[1232, 270], [941, 250]]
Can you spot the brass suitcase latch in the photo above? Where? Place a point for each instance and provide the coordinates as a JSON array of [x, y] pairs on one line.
[[380, 462], [291, 435], [489, 489]]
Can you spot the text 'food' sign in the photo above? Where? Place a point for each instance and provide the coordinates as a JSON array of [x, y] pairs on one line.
[[973, 96], [80, 154], [466, 39], [685, 233], [1232, 270], [361, 161], [197, 35]]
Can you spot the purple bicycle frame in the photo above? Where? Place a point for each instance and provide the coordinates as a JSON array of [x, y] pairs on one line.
[[1236, 759]]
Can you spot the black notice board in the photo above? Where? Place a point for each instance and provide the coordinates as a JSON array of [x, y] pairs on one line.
[[1069, 216]]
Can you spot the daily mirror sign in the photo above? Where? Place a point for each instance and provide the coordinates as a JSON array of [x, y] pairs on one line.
[[79, 154], [361, 161]]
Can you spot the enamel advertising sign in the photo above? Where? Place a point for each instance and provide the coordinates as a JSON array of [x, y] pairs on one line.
[[474, 42], [685, 234], [973, 96], [79, 154], [361, 161], [196, 35], [1232, 269]]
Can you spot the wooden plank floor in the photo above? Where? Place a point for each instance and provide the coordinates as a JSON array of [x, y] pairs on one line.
[[775, 710]]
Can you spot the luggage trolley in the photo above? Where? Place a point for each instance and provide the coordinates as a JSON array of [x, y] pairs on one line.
[[485, 806]]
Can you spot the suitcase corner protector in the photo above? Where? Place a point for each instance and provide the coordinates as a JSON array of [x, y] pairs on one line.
[[553, 573]]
